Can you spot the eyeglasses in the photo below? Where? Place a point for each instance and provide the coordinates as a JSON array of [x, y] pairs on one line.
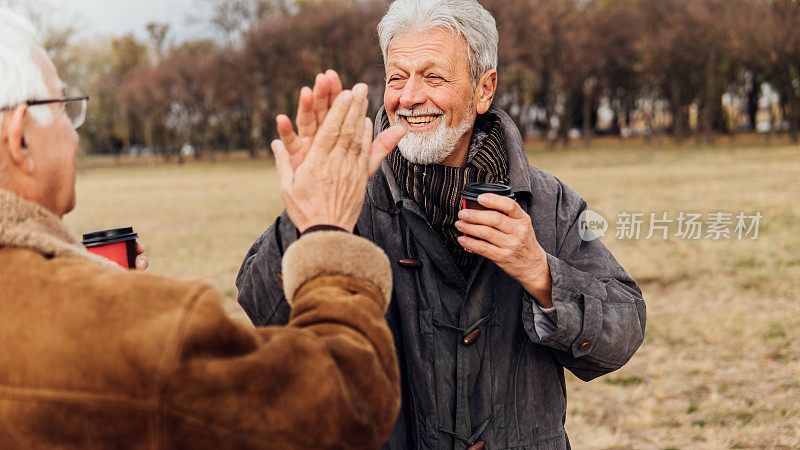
[[74, 107]]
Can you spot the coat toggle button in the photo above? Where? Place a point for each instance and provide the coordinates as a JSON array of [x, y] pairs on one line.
[[472, 337], [410, 263]]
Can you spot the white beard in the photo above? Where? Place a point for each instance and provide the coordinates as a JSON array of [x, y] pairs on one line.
[[431, 147]]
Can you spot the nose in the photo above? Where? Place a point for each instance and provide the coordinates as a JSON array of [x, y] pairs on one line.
[[413, 94]]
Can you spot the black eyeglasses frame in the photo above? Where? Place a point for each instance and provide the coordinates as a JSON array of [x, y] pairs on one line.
[[47, 102]]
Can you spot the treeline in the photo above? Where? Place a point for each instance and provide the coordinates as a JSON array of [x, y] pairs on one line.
[[568, 68]]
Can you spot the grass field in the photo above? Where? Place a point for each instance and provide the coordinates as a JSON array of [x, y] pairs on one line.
[[720, 366]]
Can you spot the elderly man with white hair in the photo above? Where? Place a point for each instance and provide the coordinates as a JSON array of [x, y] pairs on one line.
[[99, 357], [490, 306]]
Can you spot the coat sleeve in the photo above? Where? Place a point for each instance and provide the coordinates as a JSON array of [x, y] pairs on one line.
[[599, 312], [260, 279], [328, 379]]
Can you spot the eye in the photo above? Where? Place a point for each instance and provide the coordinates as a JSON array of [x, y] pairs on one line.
[[395, 81]]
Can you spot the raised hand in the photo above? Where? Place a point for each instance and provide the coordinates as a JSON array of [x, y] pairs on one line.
[[312, 109], [328, 184]]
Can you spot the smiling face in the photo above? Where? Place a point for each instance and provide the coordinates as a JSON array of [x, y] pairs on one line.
[[429, 92]]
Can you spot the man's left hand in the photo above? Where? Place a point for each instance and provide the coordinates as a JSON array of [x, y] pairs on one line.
[[312, 108], [504, 234]]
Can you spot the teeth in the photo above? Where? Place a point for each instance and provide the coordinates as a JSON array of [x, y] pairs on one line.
[[420, 120]]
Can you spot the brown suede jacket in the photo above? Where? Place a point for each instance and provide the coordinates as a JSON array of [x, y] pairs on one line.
[[97, 357]]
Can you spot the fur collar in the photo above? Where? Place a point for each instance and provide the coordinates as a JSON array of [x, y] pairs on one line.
[[26, 224]]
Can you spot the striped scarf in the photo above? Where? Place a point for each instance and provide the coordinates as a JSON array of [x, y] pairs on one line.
[[437, 188]]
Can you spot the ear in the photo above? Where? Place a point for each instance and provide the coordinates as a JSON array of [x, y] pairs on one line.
[[15, 137], [484, 93]]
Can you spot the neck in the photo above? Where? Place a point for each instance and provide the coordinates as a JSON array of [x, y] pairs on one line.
[[26, 190]]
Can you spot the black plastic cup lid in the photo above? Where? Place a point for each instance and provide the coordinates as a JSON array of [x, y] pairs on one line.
[[109, 237], [473, 190]]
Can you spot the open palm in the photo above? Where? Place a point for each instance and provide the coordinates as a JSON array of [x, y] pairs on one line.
[[313, 107]]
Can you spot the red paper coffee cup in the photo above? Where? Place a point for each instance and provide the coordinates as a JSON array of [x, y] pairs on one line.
[[469, 195], [118, 245]]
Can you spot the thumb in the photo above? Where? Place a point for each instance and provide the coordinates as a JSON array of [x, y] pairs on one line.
[[283, 164], [383, 145]]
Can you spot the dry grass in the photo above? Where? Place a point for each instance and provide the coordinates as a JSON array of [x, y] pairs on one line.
[[720, 367]]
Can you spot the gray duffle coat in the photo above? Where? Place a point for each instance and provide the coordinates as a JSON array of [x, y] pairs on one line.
[[501, 386]]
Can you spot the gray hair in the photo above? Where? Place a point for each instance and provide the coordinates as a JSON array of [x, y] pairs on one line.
[[21, 75], [464, 17]]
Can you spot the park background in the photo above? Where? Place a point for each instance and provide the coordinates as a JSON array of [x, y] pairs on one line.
[[643, 106]]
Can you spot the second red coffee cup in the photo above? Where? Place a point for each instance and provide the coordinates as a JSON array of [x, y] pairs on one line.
[[118, 245]]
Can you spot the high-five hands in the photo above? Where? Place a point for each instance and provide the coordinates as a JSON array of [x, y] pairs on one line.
[[323, 171], [313, 106], [311, 111]]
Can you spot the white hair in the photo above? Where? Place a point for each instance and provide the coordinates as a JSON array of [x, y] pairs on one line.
[[463, 17], [21, 76]]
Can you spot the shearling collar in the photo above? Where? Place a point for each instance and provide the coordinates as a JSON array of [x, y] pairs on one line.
[[25, 224]]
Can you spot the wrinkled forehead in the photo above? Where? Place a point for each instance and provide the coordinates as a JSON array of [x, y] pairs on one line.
[[436, 46]]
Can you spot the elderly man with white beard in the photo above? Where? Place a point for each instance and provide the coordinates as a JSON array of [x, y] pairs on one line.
[[490, 306]]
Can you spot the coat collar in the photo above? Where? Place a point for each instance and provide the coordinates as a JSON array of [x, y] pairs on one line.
[[386, 195], [25, 224]]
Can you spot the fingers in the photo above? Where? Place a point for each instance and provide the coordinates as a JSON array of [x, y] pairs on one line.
[[490, 218], [286, 133], [383, 145], [366, 138], [282, 164], [322, 100], [482, 248], [505, 205], [327, 87], [335, 83], [328, 135], [306, 118], [361, 91], [141, 261], [489, 234], [353, 122]]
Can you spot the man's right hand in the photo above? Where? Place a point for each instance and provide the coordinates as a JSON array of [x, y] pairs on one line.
[[327, 185]]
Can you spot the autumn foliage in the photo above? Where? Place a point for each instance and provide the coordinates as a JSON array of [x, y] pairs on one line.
[[657, 67]]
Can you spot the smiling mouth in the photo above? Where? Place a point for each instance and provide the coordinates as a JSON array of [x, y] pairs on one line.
[[420, 121]]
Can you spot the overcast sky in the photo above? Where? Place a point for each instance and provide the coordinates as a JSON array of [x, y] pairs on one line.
[[117, 17]]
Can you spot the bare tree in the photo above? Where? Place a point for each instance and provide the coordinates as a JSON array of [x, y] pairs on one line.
[[648, 60], [158, 38]]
